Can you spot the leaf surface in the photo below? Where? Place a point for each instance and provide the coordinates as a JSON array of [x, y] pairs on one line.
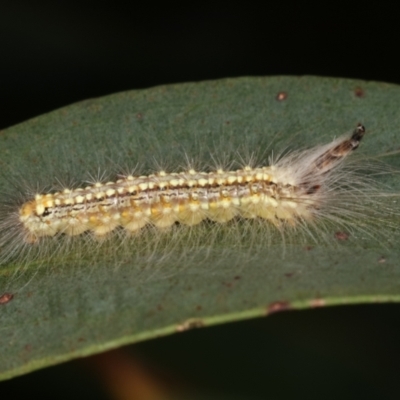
[[56, 309]]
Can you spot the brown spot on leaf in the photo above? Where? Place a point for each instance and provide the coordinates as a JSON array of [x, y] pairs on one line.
[[382, 260], [6, 298], [289, 274], [281, 96], [341, 235], [359, 92], [190, 324], [278, 306]]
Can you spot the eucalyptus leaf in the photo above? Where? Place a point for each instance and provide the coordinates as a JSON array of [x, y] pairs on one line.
[[54, 309]]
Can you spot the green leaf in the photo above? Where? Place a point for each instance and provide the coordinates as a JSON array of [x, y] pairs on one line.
[[57, 308]]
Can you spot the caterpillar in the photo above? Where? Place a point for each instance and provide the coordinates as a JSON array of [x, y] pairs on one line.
[[298, 190]]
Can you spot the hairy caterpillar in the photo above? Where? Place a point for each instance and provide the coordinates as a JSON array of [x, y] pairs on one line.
[[297, 191], [277, 193]]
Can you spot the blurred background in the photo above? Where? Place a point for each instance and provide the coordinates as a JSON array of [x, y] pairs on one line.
[[53, 53]]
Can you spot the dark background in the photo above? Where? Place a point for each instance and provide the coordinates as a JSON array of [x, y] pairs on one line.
[[55, 53]]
